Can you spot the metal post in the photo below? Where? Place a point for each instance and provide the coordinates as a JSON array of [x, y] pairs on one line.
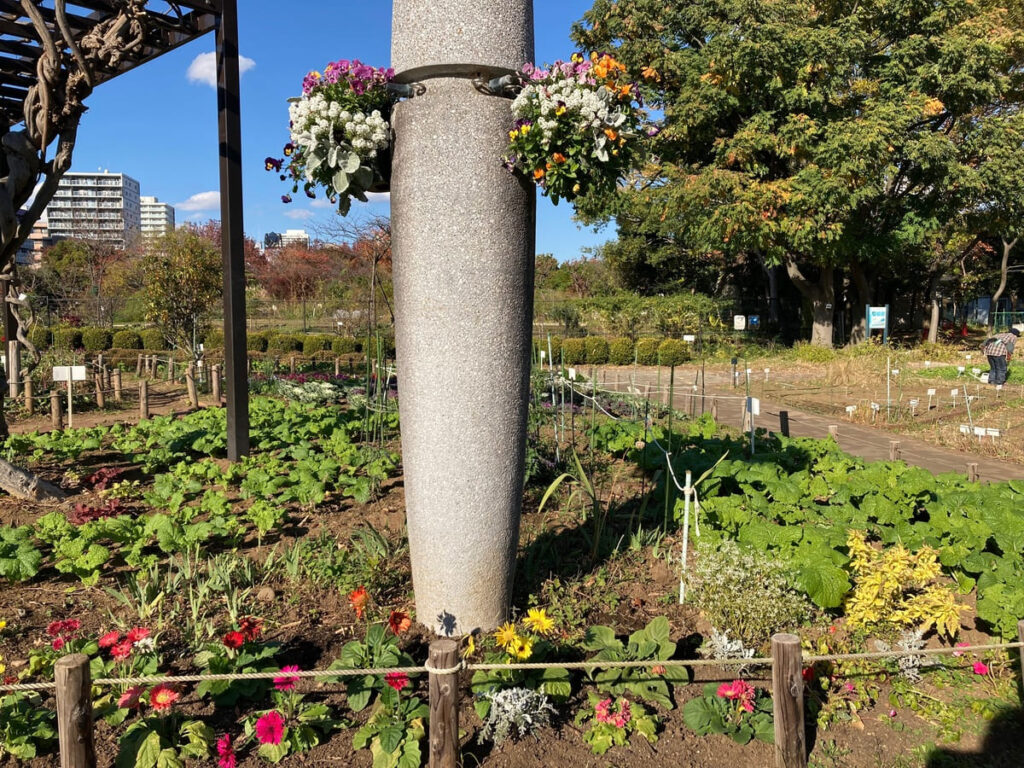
[[232, 233]]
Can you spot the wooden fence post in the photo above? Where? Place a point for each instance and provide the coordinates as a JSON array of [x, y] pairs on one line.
[[29, 404], [170, 368], [337, 367], [444, 704], [833, 431], [291, 365], [143, 399], [714, 409], [116, 376], [74, 711], [784, 423], [788, 702], [190, 385], [101, 400], [108, 379], [215, 383], [138, 367], [894, 450], [972, 471], [56, 415]]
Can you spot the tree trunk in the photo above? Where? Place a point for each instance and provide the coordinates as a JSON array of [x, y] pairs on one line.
[[821, 295], [1003, 269], [933, 326], [859, 328]]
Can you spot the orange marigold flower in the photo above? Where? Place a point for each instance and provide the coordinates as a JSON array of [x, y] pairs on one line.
[[558, 157], [611, 133], [358, 598], [539, 173], [399, 622], [625, 91], [162, 697]]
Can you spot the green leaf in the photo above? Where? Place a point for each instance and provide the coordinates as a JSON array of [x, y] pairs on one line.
[[826, 584]]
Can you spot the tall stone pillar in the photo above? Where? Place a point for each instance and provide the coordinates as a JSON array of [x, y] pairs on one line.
[[463, 233]]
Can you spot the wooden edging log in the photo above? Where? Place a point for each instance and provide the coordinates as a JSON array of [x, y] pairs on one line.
[[788, 702], [444, 704], [25, 485]]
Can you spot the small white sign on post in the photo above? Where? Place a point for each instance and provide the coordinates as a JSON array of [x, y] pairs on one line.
[[739, 322], [69, 373], [754, 406], [689, 338], [572, 374]]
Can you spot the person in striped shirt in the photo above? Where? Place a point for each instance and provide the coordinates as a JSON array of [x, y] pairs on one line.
[[999, 350]]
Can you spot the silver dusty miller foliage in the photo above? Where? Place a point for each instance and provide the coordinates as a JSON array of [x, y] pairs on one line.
[[515, 712], [909, 666]]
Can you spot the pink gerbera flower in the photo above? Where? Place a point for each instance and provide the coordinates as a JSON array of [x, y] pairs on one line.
[[397, 680], [226, 752], [980, 668], [286, 683], [109, 639], [270, 728], [130, 698]]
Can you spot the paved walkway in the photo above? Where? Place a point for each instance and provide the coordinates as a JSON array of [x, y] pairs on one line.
[[868, 443]]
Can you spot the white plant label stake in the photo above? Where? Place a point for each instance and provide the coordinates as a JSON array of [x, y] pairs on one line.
[[686, 532]]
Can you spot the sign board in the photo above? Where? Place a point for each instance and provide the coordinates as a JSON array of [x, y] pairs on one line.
[[931, 393], [689, 338], [754, 322], [754, 406], [69, 373], [877, 318], [739, 322], [572, 374]]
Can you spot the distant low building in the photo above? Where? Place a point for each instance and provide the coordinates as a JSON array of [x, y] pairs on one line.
[[295, 237], [96, 206], [272, 240], [30, 254], [157, 218]]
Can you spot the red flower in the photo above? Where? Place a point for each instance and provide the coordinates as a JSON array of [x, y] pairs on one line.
[[226, 752], [122, 650], [808, 674], [58, 643], [397, 680], [53, 628], [137, 633], [233, 640], [251, 627], [358, 598], [285, 683], [109, 639], [162, 697], [270, 728], [399, 622], [130, 698]]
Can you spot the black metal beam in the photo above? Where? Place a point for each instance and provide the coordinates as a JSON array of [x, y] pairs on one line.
[[232, 234]]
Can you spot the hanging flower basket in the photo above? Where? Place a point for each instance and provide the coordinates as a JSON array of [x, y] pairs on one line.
[[340, 135], [576, 129]]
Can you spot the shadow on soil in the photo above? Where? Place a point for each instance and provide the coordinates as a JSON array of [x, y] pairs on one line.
[[1003, 746]]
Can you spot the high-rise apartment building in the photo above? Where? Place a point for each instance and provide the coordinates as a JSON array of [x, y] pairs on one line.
[[157, 217], [295, 237], [96, 206]]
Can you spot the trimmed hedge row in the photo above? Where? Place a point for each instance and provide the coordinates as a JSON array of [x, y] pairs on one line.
[[597, 350], [151, 339]]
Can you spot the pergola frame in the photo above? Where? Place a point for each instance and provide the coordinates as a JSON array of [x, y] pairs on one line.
[[165, 25]]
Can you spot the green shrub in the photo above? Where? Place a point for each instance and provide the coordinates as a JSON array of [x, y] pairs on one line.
[[316, 342], [574, 351], [127, 340], [284, 342], [152, 338], [597, 350], [96, 339], [214, 339], [647, 351], [67, 339], [345, 345], [673, 352], [620, 351], [256, 342], [809, 353], [387, 346], [745, 593], [40, 336]]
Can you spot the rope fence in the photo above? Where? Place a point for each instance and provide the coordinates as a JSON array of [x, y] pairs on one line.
[[73, 686]]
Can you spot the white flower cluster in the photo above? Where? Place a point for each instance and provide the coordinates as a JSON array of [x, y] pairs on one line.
[[591, 107], [319, 125], [310, 391]]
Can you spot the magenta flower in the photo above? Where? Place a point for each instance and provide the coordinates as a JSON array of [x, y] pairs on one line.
[[980, 668], [130, 698], [286, 683], [397, 680], [226, 752], [960, 645], [270, 728], [739, 691]]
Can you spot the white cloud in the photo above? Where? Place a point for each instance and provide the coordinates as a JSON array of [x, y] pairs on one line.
[[299, 214], [203, 68], [321, 202], [378, 197], [202, 201]]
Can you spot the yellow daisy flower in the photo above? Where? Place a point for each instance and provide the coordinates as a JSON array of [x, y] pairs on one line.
[[522, 648], [538, 620], [506, 634]]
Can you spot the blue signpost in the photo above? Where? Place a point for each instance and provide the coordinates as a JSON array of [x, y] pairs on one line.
[[878, 319]]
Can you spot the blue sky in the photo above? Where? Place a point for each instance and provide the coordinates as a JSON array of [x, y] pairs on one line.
[[157, 126]]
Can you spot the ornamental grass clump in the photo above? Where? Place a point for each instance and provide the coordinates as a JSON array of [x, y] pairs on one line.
[[339, 133], [576, 126], [745, 593], [899, 588]]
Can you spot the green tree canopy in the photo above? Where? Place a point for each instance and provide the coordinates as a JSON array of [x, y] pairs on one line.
[[804, 134]]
